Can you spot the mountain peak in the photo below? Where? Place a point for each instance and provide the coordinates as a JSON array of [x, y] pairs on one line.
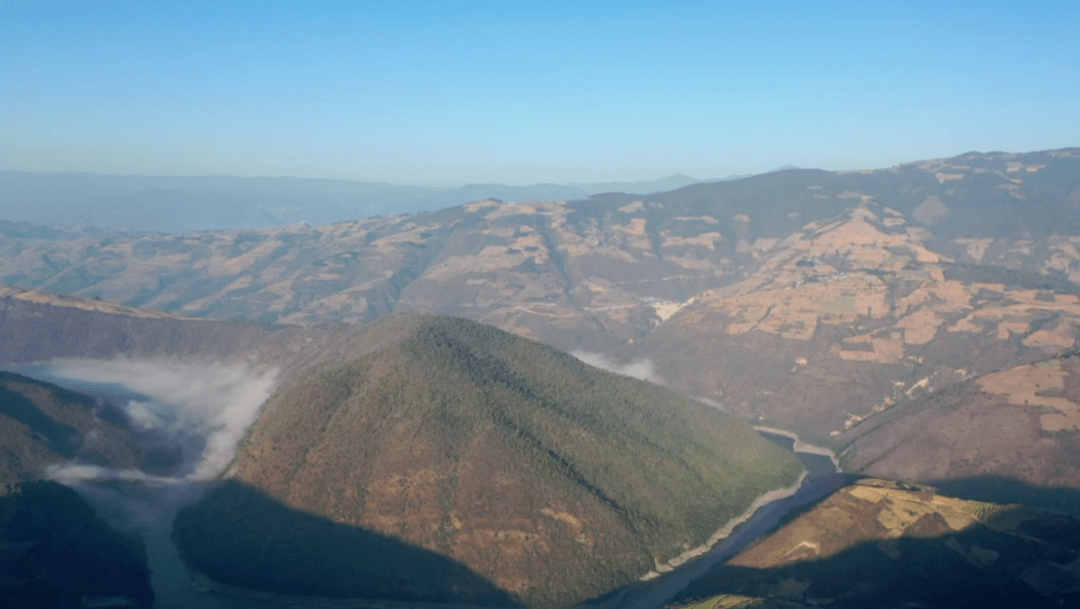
[[448, 435]]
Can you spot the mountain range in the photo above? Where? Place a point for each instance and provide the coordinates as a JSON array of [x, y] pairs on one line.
[[766, 295], [921, 321], [64, 205]]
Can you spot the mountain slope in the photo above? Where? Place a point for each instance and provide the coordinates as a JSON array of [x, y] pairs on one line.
[[1021, 423], [876, 544], [859, 296], [55, 551], [42, 425], [554, 480]]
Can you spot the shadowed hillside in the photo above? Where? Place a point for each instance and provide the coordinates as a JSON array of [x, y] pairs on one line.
[[42, 424], [1020, 423], [38, 326], [56, 552], [552, 479], [261, 544]]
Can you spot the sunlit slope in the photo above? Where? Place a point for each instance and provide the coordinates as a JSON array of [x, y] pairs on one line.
[[876, 544], [851, 316], [554, 480]]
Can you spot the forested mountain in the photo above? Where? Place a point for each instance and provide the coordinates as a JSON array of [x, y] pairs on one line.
[[550, 479], [500, 461]]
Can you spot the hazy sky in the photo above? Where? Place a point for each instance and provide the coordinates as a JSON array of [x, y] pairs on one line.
[[448, 92]]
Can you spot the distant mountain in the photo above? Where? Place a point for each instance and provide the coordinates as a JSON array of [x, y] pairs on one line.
[[550, 479], [178, 203], [59, 205], [880, 544], [641, 187], [30, 230]]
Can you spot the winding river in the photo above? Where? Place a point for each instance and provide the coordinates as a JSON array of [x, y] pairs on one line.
[[822, 478]]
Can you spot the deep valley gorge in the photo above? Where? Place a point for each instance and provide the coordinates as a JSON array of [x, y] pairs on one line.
[[439, 409]]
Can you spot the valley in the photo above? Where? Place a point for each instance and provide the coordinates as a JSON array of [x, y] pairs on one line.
[[386, 408], [148, 504]]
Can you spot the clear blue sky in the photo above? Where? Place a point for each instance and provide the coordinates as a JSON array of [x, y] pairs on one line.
[[519, 92]]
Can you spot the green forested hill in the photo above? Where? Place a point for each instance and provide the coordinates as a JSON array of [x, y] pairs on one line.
[[553, 480]]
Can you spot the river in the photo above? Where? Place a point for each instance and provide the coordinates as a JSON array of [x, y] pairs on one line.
[[148, 505], [822, 478]]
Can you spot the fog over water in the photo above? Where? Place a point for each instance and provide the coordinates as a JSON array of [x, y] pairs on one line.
[[640, 369], [203, 408], [214, 402]]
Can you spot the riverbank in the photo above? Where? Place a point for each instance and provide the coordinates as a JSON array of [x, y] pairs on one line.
[[725, 531], [801, 447], [819, 480]]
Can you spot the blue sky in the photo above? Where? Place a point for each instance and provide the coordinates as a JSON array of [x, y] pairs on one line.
[[520, 92]]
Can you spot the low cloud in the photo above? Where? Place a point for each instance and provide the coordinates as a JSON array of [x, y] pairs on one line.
[[714, 404], [640, 369], [213, 400], [71, 473]]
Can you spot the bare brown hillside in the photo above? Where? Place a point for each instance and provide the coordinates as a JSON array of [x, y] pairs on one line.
[[1020, 423]]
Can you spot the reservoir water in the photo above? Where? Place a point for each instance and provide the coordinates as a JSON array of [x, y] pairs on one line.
[[822, 478], [148, 505]]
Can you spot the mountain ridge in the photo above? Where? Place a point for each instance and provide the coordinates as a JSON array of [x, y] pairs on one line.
[[89, 203]]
